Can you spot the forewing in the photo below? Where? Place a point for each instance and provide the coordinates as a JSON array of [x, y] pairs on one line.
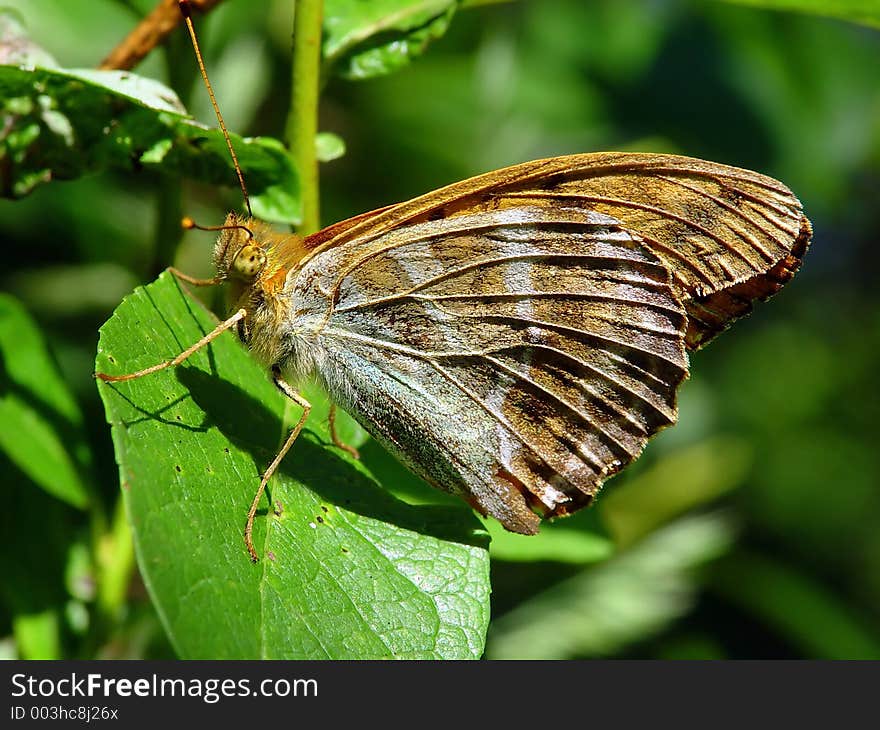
[[517, 356], [728, 236]]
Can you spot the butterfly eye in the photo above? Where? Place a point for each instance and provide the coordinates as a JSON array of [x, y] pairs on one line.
[[248, 262]]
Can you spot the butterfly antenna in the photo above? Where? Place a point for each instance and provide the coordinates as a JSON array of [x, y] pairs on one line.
[[186, 12], [188, 223]]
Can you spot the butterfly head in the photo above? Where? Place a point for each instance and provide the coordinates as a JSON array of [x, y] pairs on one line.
[[254, 260], [249, 251], [238, 253]]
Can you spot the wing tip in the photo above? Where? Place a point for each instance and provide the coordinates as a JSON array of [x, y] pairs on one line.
[[710, 315]]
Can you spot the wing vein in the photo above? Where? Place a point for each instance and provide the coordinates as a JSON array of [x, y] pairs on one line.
[[439, 278], [591, 458], [754, 243], [645, 207]]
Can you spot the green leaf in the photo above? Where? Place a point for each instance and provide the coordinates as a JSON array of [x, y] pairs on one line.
[[42, 425], [563, 544], [347, 571], [37, 635], [41, 443], [63, 124], [576, 539], [821, 626], [866, 12], [329, 146], [625, 599], [366, 39]]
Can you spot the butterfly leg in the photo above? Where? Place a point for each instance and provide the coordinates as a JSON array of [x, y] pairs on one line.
[[331, 422], [184, 279], [216, 332], [285, 388], [191, 279]]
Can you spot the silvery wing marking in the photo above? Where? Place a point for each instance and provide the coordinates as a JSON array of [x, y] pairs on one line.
[[728, 236], [517, 357]]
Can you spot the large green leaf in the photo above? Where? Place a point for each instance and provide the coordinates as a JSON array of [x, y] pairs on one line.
[[365, 39], [347, 571], [866, 12], [41, 430], [60, 124], [42, 440]]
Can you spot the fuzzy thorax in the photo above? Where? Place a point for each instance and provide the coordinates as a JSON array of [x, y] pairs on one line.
[[254, 260]]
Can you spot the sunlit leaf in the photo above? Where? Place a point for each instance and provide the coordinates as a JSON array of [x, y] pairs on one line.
[[365, 39], [329, 146], [37, 635], [62, 124]]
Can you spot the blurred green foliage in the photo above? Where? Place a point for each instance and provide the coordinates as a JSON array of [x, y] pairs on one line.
[[747, 530]]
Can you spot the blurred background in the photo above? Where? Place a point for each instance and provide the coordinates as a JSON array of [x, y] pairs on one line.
[[750, 529]]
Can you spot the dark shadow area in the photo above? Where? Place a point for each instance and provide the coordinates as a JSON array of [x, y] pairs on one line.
[[33, 569], [705, 116], [399, 479], [252, 427], [68, 432], [715, 630], [155, 415]]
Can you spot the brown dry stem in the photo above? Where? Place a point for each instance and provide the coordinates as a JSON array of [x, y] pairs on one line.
[[149, 33]]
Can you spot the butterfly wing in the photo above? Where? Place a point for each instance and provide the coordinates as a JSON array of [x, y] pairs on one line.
[[728, 236], [517, 357], [516, 338]]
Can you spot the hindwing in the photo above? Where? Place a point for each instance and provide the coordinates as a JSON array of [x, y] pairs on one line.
[[517, 337], [517, 357]]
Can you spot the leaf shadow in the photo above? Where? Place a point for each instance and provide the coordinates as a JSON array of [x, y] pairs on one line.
[[252, 427], [69, 432], [154, 415]]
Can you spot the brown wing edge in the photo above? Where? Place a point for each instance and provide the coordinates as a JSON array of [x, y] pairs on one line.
[[710, 315], [315, 240]]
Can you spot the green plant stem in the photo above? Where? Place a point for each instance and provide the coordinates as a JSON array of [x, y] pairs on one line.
[[116, 564], [168, 230], [181, 74], [302, 120]]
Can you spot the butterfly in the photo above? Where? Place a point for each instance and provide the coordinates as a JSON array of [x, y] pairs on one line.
[[515, 338]]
